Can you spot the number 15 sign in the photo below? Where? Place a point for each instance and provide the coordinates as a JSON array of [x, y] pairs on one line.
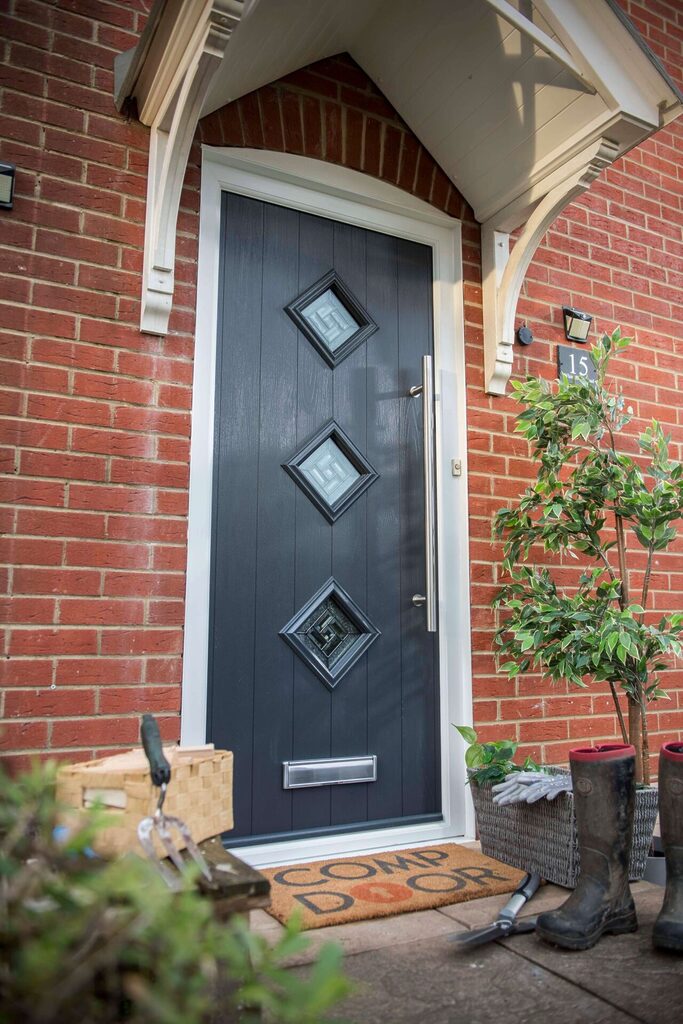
[[572, 362]]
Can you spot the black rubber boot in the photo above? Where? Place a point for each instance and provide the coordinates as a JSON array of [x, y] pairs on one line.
[[604, 795], [668, 930]]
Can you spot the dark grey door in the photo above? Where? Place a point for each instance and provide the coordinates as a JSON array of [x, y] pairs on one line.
[[316, 648]]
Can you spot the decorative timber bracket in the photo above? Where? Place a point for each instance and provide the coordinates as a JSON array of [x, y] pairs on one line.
[[193, 42], [503, 269]]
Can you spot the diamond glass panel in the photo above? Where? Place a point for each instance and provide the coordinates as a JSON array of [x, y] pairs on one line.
[[330, 320], [331, 317], [331, 471], [330, 633]]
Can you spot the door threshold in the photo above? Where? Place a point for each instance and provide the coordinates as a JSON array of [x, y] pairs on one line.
[[299, 851]]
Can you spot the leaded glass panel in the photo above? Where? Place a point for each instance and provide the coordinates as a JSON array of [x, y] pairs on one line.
[[332, 318], [331, 321], [331, 470], [330, 633]]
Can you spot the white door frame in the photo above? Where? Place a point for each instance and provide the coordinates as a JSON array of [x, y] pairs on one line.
[[342, 195]]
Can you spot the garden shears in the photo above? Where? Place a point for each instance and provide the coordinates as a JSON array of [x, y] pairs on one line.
[[506, 923]]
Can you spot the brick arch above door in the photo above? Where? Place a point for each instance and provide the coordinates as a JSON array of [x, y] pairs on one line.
[[333, 111]]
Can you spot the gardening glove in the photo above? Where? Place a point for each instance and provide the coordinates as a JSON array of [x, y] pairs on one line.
[[528, 787]]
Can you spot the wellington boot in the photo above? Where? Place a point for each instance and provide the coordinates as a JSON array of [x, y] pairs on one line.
[[668, 930], [604, 795]]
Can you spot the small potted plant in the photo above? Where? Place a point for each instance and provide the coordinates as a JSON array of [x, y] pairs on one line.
[[606, 511]]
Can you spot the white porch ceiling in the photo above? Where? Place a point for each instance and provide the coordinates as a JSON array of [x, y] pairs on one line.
[[494, 110], [521, 102]]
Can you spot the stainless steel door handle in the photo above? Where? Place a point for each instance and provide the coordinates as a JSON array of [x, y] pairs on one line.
[[426, 389]]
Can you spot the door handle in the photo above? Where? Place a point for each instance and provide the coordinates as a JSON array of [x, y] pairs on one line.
[[426, 389]]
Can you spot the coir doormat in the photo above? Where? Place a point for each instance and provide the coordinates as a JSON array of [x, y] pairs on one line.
[[381, 884]]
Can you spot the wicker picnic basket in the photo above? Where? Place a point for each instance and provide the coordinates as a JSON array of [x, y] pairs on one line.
[[541, 838], [200, 793]]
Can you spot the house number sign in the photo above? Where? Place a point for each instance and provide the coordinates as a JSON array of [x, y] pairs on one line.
[[572, 362]]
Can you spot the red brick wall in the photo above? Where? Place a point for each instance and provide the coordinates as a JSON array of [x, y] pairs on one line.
[[95, 422], [95, 416], [618, 254]]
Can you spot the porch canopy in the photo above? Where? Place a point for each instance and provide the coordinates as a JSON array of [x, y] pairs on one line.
[[521, 103]]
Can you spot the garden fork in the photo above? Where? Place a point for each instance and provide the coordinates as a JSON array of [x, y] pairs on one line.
[[160, 824]]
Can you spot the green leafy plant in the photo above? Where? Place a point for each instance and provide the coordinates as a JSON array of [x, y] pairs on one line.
[[611, 511], [82, 939], [492, 762]]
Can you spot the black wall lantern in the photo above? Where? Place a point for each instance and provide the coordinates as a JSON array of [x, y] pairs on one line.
[[524, 335], [576, 324], [7, 172]]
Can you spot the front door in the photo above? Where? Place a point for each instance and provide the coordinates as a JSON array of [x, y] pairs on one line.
[[323, 678]]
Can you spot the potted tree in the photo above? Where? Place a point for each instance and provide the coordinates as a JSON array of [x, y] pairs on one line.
[[610, 513]]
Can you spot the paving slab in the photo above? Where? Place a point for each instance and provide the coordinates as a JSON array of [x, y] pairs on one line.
[[407, 972], [426, 981], [264, 924], [378, 933], [625, 970], [476, 913]]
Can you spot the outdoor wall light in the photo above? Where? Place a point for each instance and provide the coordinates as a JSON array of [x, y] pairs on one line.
[[7, 172], [576, 324], [524, 335]]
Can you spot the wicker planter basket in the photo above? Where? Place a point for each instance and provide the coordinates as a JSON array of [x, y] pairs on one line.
[[541, 838]]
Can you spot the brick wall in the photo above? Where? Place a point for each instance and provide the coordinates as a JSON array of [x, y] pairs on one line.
[[95, 422], [95, 416]]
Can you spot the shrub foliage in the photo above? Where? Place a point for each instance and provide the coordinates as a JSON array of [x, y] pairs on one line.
[[82, 939]]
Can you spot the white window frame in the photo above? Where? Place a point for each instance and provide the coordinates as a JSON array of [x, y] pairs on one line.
[[343, 195]]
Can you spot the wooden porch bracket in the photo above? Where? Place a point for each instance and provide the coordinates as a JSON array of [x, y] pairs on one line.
[[504, 269], [192, 37], [546, 42]]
